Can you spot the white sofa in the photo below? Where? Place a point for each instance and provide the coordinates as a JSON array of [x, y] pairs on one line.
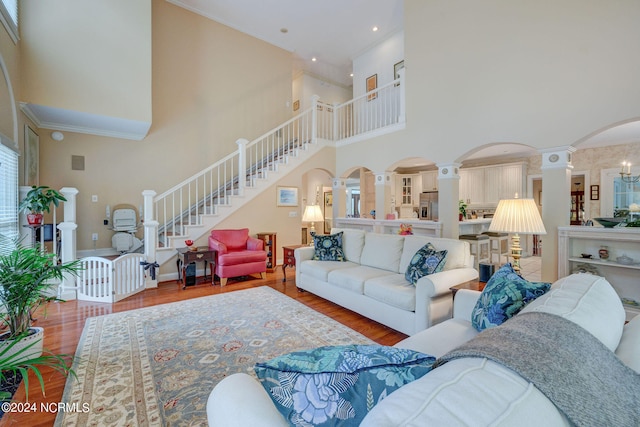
[[372, 281], [469, 391]]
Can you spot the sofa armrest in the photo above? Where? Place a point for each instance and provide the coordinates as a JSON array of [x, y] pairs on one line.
[[304, 253], [440, 283], [254, 244], [239, 400], [433, 295], [464, 302], [217, 245]]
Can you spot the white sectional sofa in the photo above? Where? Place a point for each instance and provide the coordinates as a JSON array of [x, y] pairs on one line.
[[372, 280], [476, 391]]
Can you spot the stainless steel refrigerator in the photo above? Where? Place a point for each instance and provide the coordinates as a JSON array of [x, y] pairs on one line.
[[429, 205]]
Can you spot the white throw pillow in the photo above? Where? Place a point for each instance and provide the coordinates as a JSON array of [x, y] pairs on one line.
[[352, 243]]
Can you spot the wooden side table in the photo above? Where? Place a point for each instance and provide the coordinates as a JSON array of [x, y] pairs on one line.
[[289, 259], [474, 285], [187, 256]]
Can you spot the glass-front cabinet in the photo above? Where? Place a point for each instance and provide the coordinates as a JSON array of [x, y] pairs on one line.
[[406, 188]]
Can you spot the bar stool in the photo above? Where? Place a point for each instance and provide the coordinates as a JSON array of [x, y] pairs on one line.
[[498, 244], [480, 247]]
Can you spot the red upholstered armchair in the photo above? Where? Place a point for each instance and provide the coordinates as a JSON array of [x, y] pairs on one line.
[[237, 254]]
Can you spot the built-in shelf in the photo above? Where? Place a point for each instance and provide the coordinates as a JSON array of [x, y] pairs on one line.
[[576, 240]]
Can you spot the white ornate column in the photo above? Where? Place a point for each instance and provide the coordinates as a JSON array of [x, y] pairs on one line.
[[448, 196], [383, 184], [150, 237], [556, 204], [339, 189]]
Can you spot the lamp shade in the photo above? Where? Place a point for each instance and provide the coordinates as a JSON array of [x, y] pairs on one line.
[[312, 213], [517, 216]]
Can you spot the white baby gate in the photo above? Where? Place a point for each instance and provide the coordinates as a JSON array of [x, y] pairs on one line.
[[104, 280]]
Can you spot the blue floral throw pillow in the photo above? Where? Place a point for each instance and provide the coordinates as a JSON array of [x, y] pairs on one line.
[[328, 247], [338, 385], [426, 261], [505, 294]]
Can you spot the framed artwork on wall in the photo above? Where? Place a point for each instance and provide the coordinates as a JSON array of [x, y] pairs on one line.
[[396, 70], [287, 196], [296, 105], [372, 84], [595, 192], [31, 157]]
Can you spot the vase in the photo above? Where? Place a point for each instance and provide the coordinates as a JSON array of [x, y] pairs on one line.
[[35, 218], [603, 252]]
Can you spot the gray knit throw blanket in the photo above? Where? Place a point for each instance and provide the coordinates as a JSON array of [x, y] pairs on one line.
[[583, 378]]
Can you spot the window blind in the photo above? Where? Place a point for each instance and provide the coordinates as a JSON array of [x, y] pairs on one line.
[[8, 198]]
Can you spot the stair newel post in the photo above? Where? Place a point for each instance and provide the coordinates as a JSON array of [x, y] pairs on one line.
[[402, 116], [242, 165], [68, 240], [314, 118], [150, 237]]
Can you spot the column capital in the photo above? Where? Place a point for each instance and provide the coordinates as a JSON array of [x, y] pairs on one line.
[[557, 157], [448, 170], [339, 183], [383, 178]]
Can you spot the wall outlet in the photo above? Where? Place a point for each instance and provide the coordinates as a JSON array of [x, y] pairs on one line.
[[94, 198], [94, 236]]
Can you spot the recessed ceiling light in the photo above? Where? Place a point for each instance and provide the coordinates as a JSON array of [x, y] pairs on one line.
[[374, 29], [351, 75], [314, 59]]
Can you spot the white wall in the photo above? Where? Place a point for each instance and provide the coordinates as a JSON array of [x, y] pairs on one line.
[[544, 74], [379, 60]]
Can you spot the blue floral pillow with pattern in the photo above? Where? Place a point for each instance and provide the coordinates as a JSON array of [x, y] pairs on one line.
[[338, 385], [505, 294], [427, 260], [328, 247]]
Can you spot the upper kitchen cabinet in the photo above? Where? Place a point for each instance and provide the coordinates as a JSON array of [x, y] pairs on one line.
[[472, 186], [485, 186], [429, 180]]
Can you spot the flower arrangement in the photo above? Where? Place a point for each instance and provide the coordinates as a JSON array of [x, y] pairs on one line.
[[405, 229]]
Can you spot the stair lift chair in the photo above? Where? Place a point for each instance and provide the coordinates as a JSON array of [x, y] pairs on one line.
[[125, 224], [237, 254]]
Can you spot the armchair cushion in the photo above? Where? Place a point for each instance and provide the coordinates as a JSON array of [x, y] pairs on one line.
[[233, 239]]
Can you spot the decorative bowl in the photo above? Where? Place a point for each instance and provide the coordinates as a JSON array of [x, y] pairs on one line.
[[188, 242], [625, 260], [586, 256], [610, 222]]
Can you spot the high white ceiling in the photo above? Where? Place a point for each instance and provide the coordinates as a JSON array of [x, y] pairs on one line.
[[332, 31]]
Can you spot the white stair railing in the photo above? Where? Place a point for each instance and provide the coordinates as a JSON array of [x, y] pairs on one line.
[[204, 192]]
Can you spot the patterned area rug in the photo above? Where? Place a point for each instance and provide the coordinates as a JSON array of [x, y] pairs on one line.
[[156, 366]]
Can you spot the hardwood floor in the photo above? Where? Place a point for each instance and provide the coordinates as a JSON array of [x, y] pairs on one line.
[[64, 323]]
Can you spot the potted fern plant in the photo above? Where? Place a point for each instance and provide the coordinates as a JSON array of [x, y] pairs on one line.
[[28, 277], [38, 200]]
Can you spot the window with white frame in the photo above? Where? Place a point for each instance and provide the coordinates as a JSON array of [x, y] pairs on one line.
[[8, 197], [9, 17]]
